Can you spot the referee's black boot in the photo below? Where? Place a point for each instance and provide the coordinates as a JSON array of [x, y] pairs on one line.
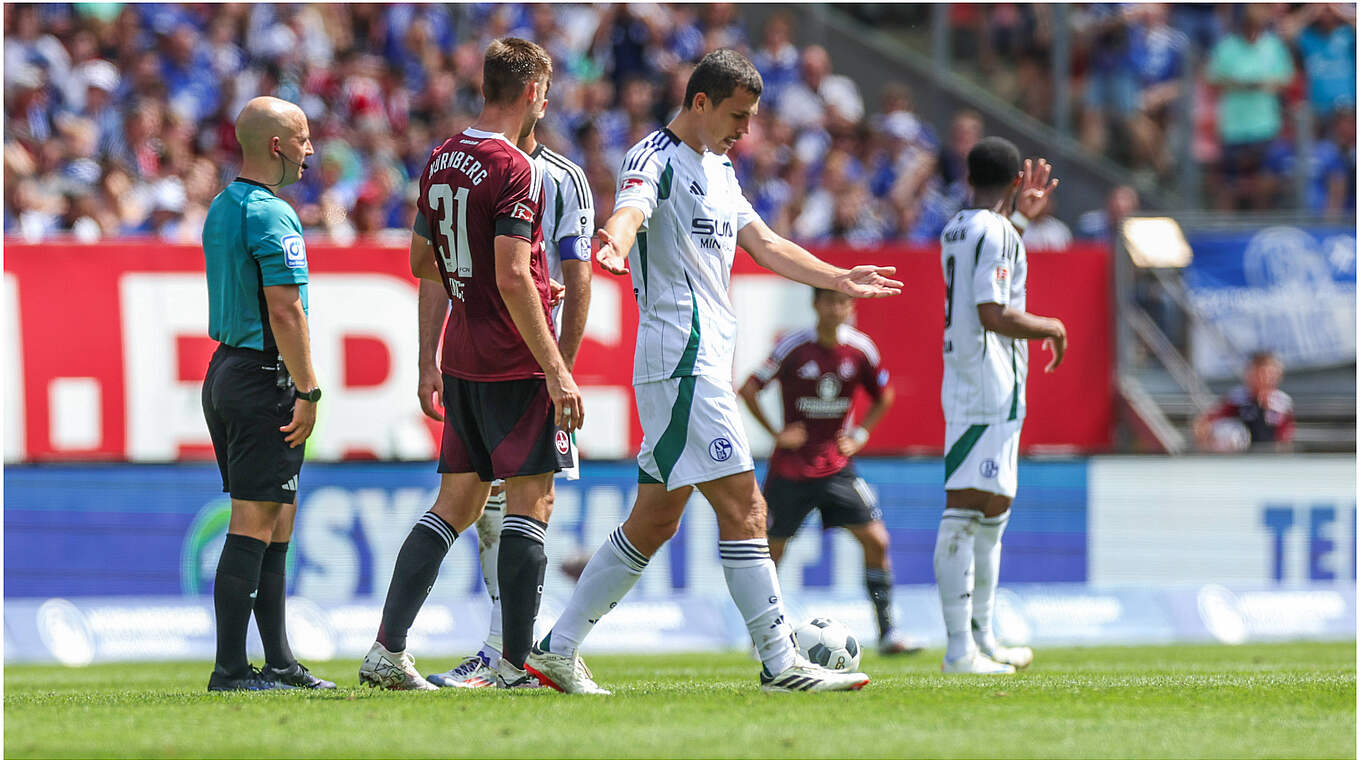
[[250, 680], [296, 675]]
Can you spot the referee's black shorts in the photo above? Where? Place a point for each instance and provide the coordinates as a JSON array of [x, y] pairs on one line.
[[245, 407]]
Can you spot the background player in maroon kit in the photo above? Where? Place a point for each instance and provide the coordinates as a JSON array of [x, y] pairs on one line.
[[819, 369], [509, 399]]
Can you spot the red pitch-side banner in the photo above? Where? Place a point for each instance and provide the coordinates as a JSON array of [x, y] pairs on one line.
[[105, 350]]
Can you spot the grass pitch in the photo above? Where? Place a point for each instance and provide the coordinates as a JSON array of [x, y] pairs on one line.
[[1293, 700]]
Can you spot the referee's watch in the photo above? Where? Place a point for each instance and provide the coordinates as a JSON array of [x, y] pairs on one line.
[[314, 395]]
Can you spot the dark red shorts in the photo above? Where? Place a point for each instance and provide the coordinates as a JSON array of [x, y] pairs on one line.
[[501, 429]]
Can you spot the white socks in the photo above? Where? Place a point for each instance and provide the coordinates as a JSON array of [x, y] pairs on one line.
[[754, 586], [488, 551], [987, 564], [954, 574], [609, 575]]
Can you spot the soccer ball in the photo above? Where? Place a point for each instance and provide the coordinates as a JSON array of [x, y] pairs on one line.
[[828, 643]]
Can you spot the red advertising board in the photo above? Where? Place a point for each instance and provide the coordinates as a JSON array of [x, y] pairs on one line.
[[106, 345]]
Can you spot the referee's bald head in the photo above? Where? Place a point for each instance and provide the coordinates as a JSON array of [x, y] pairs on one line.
[[274, 133]]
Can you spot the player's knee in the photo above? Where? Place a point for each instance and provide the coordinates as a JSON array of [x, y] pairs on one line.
[[648, 534], [875, 541]]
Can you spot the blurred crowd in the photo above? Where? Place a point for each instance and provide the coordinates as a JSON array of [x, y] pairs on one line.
[[1268, 85], [118, 118]]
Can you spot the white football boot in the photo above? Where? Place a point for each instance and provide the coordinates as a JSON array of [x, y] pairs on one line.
[[392, 670], [510, 677], [1018, 657], [803, 675], [472, 673], [567, 674], [976, 663]]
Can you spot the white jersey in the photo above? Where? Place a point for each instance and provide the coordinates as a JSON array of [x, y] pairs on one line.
[[984, 373], [682, 260], [568, 213]]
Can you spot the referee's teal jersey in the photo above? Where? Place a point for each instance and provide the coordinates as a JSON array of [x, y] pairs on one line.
[[251, 238]]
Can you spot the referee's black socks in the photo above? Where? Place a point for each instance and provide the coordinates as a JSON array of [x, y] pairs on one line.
[[270, 616], [413, 577], [238, 576], [521, 566]]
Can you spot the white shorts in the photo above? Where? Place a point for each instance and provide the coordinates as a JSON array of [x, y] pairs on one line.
[[984, 457], [691, 432]]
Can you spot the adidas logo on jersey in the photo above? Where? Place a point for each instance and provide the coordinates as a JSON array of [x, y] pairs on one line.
[[694, 188], [809, 371]]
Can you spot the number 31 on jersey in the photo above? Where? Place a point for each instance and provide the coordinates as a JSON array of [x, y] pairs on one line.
[[451, 209]]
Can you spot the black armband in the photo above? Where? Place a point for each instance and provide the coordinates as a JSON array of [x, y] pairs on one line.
[[514, 227]]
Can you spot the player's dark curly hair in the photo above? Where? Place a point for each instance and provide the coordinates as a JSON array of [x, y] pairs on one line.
[[993, 163], [510, 64], [719, 74]]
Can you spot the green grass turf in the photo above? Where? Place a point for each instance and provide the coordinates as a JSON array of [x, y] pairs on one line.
[[1292, 700]]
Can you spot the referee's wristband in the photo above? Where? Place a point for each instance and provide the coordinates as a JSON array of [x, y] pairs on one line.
[[859, 435], [1020, 221]]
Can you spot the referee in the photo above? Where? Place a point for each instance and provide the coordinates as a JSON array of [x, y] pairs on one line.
[[260, 393]]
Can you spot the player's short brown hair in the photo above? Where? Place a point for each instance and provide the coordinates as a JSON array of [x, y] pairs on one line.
[[721, 73], [510, 65]]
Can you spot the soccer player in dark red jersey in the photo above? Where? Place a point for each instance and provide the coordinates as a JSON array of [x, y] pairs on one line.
[[819, 370], [510, 401]]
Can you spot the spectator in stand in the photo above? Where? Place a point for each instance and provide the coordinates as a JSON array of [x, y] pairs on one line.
[[820, 95], [964, 133], [1111, 83], [817, 215], [1251, 67], [1158, 53], [1325, 35], [1256, 414], [769, 193], [776, 59], [1103, 223], [1332, 169], [1047, 233]]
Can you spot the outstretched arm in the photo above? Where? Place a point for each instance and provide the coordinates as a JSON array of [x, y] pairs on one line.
[[786, 258]]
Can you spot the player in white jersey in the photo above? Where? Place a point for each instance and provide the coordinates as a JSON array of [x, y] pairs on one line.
[[679, 213], [986, 360], [568, 221]]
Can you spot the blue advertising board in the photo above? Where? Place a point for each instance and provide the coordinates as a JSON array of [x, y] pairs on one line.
[[156, 530], [1287, 289]]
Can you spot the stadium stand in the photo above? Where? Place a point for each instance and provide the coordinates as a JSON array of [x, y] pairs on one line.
[[117, 118]]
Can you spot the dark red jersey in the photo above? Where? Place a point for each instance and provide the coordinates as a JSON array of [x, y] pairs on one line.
[[476, 186], [818, 388]]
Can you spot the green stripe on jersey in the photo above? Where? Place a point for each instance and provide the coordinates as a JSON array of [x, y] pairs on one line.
[[672, 442], [961, 448], [663, 188], [642, 258], [1015, 387], [690, 357], [977, 252], [643, 479]]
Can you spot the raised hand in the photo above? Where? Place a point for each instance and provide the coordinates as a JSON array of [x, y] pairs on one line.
[[868, 281], [1035, 190], [611, 259]]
